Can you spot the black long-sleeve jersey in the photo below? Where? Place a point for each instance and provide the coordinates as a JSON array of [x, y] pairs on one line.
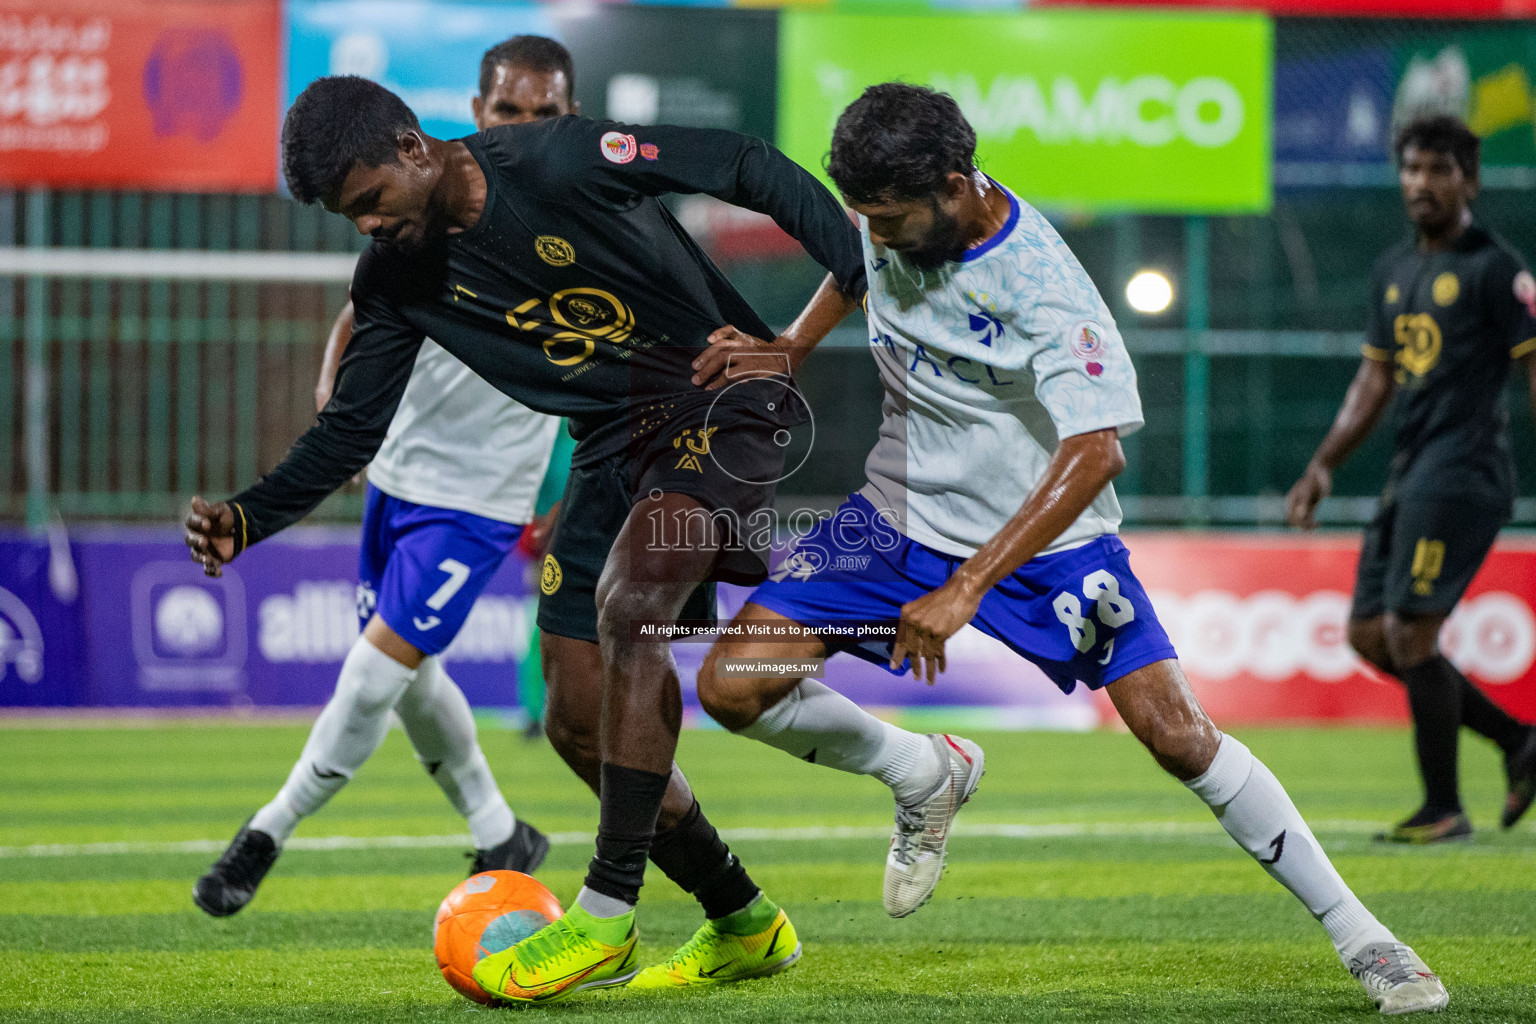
[[1452, 322], [576, 293]]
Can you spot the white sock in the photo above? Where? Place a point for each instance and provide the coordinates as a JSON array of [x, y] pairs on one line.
[[1253, 807], [350, 728], [816, 723], [598, 905], [437, 718]]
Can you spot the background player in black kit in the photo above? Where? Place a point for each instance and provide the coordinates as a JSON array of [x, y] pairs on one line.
[[538, 256], [1451, 309]]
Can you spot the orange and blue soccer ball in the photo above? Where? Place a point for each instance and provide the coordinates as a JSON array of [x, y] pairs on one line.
[[487, 913]]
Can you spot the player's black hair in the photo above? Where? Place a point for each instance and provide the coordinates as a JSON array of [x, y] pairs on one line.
[[536, 53], [899, 141], [337, 122], [1442, 133]]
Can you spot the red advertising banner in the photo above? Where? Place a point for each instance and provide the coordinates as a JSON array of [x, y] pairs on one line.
[[134, 93], [1341, 8], [1259, 623]]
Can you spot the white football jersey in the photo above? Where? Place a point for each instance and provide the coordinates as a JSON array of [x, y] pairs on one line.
[[987, 364], [458, 443]]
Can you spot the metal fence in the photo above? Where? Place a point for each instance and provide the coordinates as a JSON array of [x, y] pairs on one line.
[[123, 395], [156, 346]]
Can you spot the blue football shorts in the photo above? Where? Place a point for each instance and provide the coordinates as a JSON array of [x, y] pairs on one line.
[[421, 568], [1080, 614]]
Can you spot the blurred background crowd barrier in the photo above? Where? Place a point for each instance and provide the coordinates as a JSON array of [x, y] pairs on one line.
[[163, 305]]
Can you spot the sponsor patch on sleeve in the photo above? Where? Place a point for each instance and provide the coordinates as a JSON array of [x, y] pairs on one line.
[[1089, 342], [617, 147]]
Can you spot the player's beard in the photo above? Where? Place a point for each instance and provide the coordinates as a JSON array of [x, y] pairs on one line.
[[942, 243]]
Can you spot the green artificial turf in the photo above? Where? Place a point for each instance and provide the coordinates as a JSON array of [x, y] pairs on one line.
[[1137, 908]]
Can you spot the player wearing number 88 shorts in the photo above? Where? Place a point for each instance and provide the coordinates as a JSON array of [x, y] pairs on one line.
[[989, 501], [1079, 614]]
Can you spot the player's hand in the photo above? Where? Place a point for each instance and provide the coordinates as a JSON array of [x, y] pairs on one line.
[[211, 535], [1301, 503], [733, 355], [930, 621]]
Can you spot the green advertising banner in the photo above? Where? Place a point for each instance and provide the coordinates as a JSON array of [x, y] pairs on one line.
[[1150, 111]]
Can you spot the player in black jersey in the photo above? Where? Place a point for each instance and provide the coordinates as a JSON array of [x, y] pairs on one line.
[[539, 256], [1451, 310]]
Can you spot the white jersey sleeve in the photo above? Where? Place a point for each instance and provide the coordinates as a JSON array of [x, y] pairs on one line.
[[1083, 375]]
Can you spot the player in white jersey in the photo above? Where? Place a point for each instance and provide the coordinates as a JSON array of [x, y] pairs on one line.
[[989, 502], [449, 494]]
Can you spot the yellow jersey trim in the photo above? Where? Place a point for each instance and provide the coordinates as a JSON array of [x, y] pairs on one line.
[[244, 532]]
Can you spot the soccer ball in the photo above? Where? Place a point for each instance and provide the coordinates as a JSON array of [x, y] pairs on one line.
[[487, 913]]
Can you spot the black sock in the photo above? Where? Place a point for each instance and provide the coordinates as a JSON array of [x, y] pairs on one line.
[[693, 855], [630, 801], [1483, 716], [1434, 698]]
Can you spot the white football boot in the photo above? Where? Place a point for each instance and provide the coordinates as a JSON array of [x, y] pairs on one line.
[[916, 860], [1395, 977]]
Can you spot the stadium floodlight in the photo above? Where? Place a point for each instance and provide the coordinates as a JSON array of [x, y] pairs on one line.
[[1149, 292]]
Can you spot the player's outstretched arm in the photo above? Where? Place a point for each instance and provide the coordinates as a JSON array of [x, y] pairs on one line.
[[1364, 403], [372, 376], [330, 359], [734, 355], [1078, 471], [738, 169]]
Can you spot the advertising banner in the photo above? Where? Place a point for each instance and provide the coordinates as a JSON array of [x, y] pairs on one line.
[[122, 618], [1259, 623], [148, 629], [707, 69], [427, 53], [40, 634], [1350, 8], [1343, 90], [654, 65], [139, 94], [1155, 111], [642, 65], [272, 631]]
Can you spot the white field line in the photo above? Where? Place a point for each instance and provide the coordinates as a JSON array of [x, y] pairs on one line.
[[1150, 829], [183, 265]]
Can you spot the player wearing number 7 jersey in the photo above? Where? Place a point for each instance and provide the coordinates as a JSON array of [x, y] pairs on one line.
[[989, 502]]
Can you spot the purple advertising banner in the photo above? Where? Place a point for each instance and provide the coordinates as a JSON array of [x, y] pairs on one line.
[[118, 617], [41, 659]]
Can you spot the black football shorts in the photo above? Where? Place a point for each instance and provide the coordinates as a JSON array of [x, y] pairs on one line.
[[726, 459], [1420, 554]]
